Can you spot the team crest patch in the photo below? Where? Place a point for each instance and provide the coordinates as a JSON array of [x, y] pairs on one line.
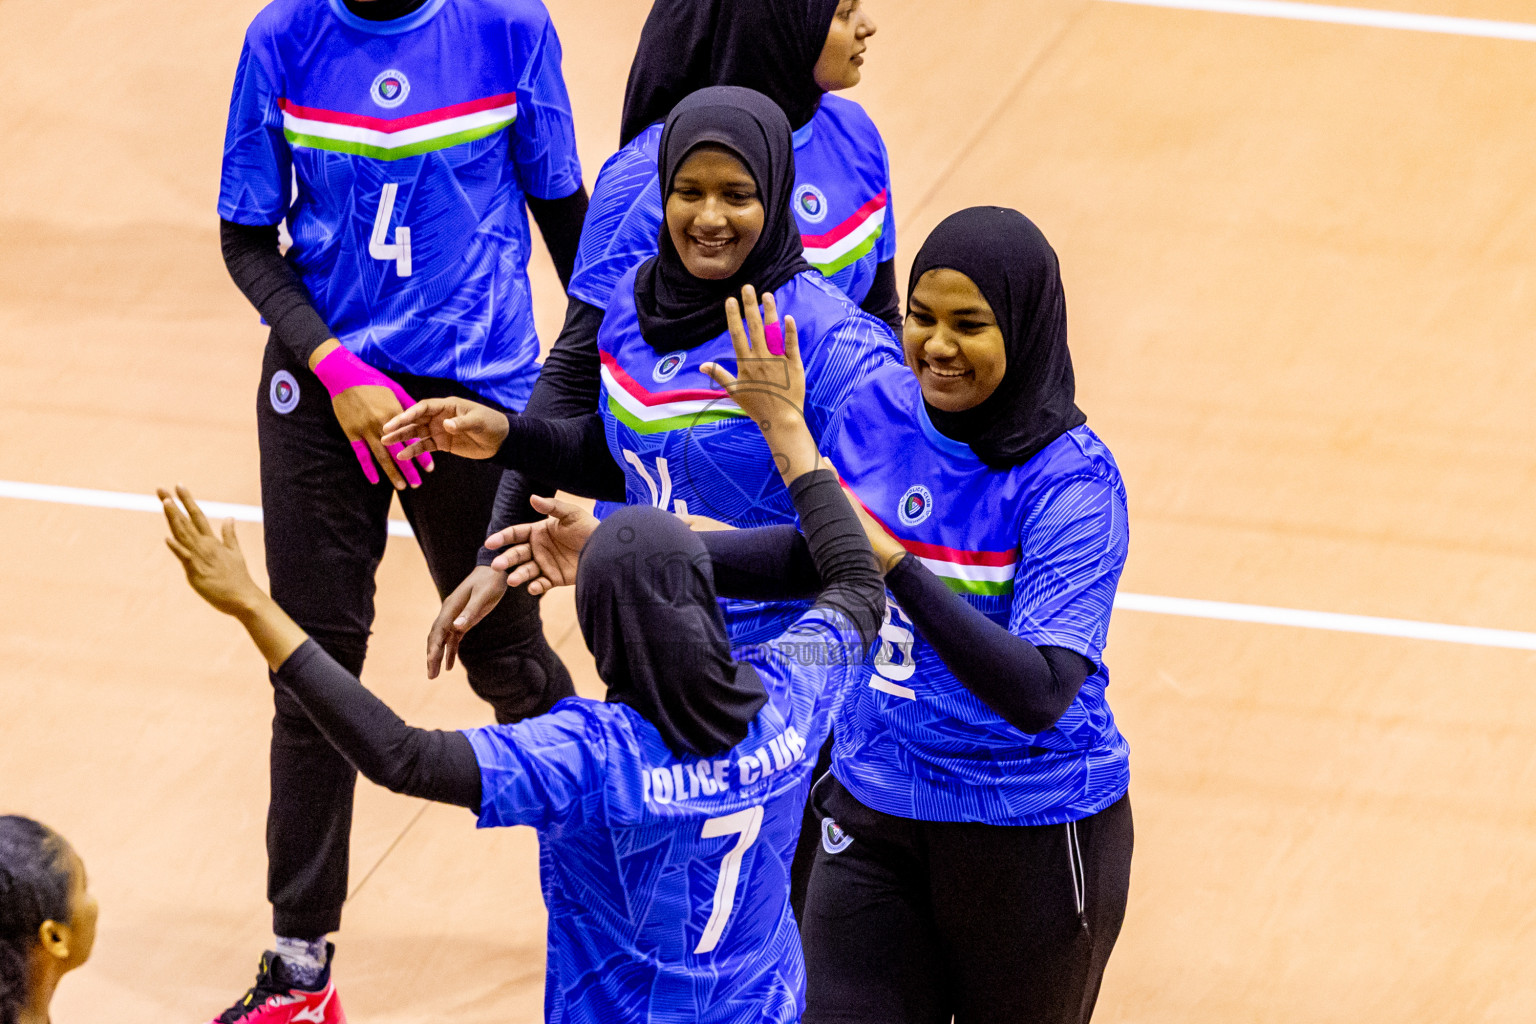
[[833, 838], [284, 392], [916, 505], [668, 366], [390, 89], [811, 203]]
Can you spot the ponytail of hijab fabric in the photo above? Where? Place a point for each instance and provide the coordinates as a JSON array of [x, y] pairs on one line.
[[1016, 270], [686, 45], [645, 599], [677, 310]]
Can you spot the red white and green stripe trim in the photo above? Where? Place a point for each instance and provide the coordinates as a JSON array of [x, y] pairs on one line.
[[849, 241], [965, 572], [647, 412], [396, 138]]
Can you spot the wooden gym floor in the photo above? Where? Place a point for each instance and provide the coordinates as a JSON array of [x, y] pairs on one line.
[[1299, 260]]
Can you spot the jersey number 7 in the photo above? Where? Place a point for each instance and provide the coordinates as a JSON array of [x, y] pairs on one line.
[[400, 251], [745, 824]]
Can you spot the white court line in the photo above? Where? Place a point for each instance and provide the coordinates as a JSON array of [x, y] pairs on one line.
[[1403, 20], [1336, 622], [1266, 615], [131, 502]]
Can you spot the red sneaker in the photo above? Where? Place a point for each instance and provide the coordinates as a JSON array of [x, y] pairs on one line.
[[277, 999]]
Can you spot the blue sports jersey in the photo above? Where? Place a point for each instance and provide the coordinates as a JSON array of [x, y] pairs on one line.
[[400, 153], [1037, 548], [667, 878], [842, 201], [686, 447]]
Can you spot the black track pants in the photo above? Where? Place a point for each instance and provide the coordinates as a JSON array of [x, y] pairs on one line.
[[916, 922], [325, 529]]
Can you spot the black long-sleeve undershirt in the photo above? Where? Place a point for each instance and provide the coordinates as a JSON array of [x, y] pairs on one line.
[[839, 552], [570, 453], [881, 301], [429, 763], [1029, 687], [256, 264], [441, 765], [563, 391]]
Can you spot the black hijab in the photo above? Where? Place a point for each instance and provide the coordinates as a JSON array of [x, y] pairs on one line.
[[686, 45], [645, 598], [676, 309], [1016, 270]]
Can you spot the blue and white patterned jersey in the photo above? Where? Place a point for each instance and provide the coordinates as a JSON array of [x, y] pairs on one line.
[[667, 878], [842, 202], [1038, 549], [686, 447], [400, 153]]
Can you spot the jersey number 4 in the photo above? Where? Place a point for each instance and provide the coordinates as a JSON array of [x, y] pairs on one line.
[[400, 250], [746, 825]]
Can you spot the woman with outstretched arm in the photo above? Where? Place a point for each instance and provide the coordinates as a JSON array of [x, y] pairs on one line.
[[674, 804]]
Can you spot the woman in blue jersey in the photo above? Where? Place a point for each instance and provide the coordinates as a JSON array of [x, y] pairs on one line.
[[975, 833], [405, 181], [797, 53], [667, 815], [977, 838], [666, 434]]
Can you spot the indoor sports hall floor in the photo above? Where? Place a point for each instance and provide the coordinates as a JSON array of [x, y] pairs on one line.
[[1301, 266]]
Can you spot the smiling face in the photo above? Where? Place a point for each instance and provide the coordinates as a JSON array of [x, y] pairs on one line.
[[952, 341], [841, 60], [714, 213]]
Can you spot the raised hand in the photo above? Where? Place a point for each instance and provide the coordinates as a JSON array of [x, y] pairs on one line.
[[471, 601], [544, 554], [454, 425], [212, 559], [769, 385]]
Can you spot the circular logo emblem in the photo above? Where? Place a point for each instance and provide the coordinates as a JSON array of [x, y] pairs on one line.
[[916, 505], [668, 366], [284, 392], [811, 203], [390, 89], [833, 838]]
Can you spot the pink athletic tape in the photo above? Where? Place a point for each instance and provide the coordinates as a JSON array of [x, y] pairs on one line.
[[360, 449], [341, 371], [774, 335]]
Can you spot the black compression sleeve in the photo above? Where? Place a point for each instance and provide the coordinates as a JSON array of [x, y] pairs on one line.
[[251, 255], [850, 578], [765, 563], [560, 223], [572, 454], [567, 387], [570, 380], [1030, 687], [882, 300], [427, 763]]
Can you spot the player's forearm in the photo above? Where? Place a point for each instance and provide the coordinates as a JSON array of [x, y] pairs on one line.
[[1029, 687], [429, 763], [791, 444], [851, 580], [560, 222], [258, 269], [275, 634]]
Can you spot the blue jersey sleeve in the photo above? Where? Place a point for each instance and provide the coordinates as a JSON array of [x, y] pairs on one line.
[[623, 222], [839, 362], [885, 249], [542, 771], [256, 182], [544, 135], [1072, 550]]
